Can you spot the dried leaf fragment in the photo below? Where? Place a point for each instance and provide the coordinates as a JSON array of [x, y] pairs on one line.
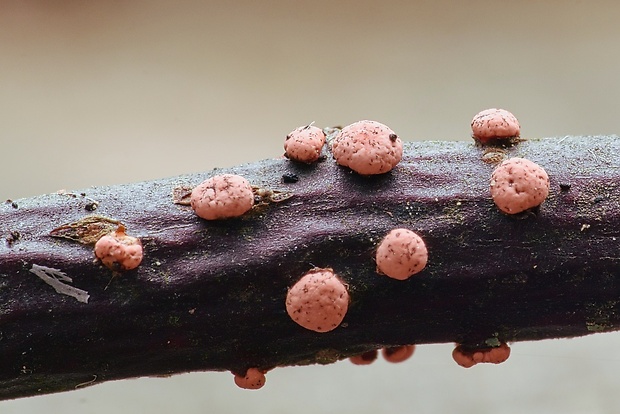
[[263, 196], [86, 230]]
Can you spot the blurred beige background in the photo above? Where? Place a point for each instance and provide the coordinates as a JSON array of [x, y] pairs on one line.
[[97, 93]]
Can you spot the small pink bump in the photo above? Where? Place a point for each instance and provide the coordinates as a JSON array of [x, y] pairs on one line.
[[118, 251], [518, 184], [468, 359], [304, 144], [367, 147], [222, 196], [401, 254], [397, 354], [494, 123], [366, 358], [253, 379], [318, 301]]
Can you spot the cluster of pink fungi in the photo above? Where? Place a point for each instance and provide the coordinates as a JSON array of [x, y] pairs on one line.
[[320, 299]]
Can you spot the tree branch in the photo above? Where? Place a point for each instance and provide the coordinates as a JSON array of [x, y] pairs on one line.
[[210, 295]]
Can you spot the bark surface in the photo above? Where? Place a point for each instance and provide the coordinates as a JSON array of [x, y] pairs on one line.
[[210, 295]]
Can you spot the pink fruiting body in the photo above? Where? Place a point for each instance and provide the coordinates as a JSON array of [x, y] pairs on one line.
[[318, 301], [401, 254], [366, 358], [253, 379], [398, 353], [118, 251], [222, 196], [367, 147], [304, 144], [518, 184], [494, 123], [468, 359]]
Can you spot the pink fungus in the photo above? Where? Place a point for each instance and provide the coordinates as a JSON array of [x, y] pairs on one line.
[[364, 359], [367, 147], [518, 184], [222, 196], [304, 144], [118, 251], [469, 358], [494, 123], [252, 380], [401, 254], [398, 353], [318, 301]]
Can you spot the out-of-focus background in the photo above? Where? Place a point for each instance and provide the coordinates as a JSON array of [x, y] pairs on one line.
[[97, 93]]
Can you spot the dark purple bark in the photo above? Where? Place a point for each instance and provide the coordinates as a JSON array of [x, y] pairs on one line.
[[210, 295]]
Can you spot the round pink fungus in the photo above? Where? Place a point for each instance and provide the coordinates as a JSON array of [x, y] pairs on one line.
[[118, 251], [366, 358], [397, 354], [222, 196], [253, 379], [469, 358], [367, 147], [494, 123], [518, 184], [401, 254], [318, 301], [304, 144]]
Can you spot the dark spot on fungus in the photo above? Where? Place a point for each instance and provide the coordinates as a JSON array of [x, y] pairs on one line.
[[366, 358], [397, 354], [370, 355], [391, 350], [290, 178]]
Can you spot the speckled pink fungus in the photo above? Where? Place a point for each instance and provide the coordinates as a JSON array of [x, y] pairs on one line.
[[367, 147], [397, 354], [492, 124], [366, 358], [401, 254], [318, 301], [253, 379], [518, 184], [468, 359], [304, 144], [118, 251], [222, 196]]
